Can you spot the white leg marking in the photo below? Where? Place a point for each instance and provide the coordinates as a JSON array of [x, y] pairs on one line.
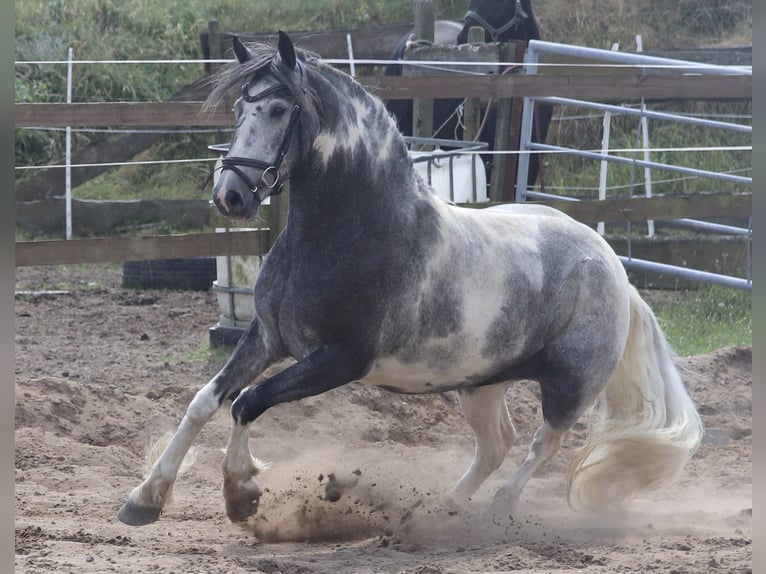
[[485, 410], [545, 444], [240, 489], [152, 492]]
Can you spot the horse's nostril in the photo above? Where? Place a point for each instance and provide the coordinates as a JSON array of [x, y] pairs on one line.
[[233, 200]]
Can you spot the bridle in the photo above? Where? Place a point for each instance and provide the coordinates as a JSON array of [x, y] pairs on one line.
[[270, 174], [518, 18]]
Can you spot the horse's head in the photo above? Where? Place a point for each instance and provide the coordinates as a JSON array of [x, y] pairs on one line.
[[502, 20], [267, 112]]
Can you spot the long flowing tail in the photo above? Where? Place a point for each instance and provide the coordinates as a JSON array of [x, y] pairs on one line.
[[647, 426]]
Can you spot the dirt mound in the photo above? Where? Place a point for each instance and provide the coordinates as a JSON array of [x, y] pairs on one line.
[[358, 474]]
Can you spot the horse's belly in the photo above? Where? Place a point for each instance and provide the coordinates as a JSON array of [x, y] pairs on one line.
[[426, 376]]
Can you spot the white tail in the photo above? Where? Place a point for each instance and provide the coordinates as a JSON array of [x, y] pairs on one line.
[[647, 426]]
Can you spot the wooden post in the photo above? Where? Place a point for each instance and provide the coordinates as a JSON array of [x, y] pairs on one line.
[[472, 109], [278, 214], [423, 110], [507, 132], [214, 44], [502, 141]]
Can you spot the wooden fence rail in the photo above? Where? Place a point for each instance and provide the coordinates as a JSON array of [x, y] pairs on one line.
[[639, 209], [120, 249], [597, 87]]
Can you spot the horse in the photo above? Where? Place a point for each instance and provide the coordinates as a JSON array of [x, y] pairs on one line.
[[375, 279], [502, 20]]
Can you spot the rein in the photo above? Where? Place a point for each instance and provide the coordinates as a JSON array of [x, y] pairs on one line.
[[519, 16]]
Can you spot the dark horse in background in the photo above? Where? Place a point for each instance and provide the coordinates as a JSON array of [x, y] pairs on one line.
[[502, 20]]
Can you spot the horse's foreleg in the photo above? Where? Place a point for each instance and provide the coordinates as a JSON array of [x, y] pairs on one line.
[[485, 411], [241, 491], [324, 369], [545, 444], [144, 504]]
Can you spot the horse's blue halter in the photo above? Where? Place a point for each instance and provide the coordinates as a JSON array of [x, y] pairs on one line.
[[270, 175], [518, 17]]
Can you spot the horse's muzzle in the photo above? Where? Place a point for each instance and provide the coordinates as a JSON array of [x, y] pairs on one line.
[[233, 198]]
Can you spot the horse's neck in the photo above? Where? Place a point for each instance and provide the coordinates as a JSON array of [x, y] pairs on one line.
[[352, 190], [344, 188], [357, 151]]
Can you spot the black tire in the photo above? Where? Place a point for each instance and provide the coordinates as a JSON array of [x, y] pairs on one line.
[[190, 274]]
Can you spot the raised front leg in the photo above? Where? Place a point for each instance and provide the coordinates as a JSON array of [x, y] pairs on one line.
[[326, 368], [250, 357]]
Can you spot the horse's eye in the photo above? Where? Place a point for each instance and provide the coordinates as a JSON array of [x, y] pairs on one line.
[[278, 111]]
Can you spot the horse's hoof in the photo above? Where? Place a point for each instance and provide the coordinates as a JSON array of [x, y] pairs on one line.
[[499, 514], [241, 498], [134, 515], [239, 510]]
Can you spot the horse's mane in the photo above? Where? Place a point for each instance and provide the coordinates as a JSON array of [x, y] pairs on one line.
[[306, 89], [263, 59]]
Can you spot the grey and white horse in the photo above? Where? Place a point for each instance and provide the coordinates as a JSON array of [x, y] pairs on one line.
[[375, 279]]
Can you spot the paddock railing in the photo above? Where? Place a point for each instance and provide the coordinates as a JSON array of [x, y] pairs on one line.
[[584, 85], [687, 69]]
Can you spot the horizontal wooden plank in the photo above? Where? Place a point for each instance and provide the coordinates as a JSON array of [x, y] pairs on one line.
[[137, 114], [637, 209], [121, 249], [594, 87], [91, 217]]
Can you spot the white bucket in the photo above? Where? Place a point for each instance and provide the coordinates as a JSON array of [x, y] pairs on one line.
[[454, 178], [236, 275]]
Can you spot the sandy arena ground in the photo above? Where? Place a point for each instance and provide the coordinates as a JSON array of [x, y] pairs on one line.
[[102, 371]]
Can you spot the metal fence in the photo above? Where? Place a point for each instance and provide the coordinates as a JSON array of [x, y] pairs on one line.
[[527, 146]]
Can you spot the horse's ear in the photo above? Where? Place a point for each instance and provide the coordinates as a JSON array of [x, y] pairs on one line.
[[286, 51], [240, 51]]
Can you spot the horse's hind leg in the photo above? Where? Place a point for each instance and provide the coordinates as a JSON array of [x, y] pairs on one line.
[[485, 410], [573, 367], [545, 444], [568, 387], [144, 504]]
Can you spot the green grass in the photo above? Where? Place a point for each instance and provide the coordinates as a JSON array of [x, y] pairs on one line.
[[701, 321], [201, 354]]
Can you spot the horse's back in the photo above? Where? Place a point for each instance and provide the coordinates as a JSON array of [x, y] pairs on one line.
[[537, 234]]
